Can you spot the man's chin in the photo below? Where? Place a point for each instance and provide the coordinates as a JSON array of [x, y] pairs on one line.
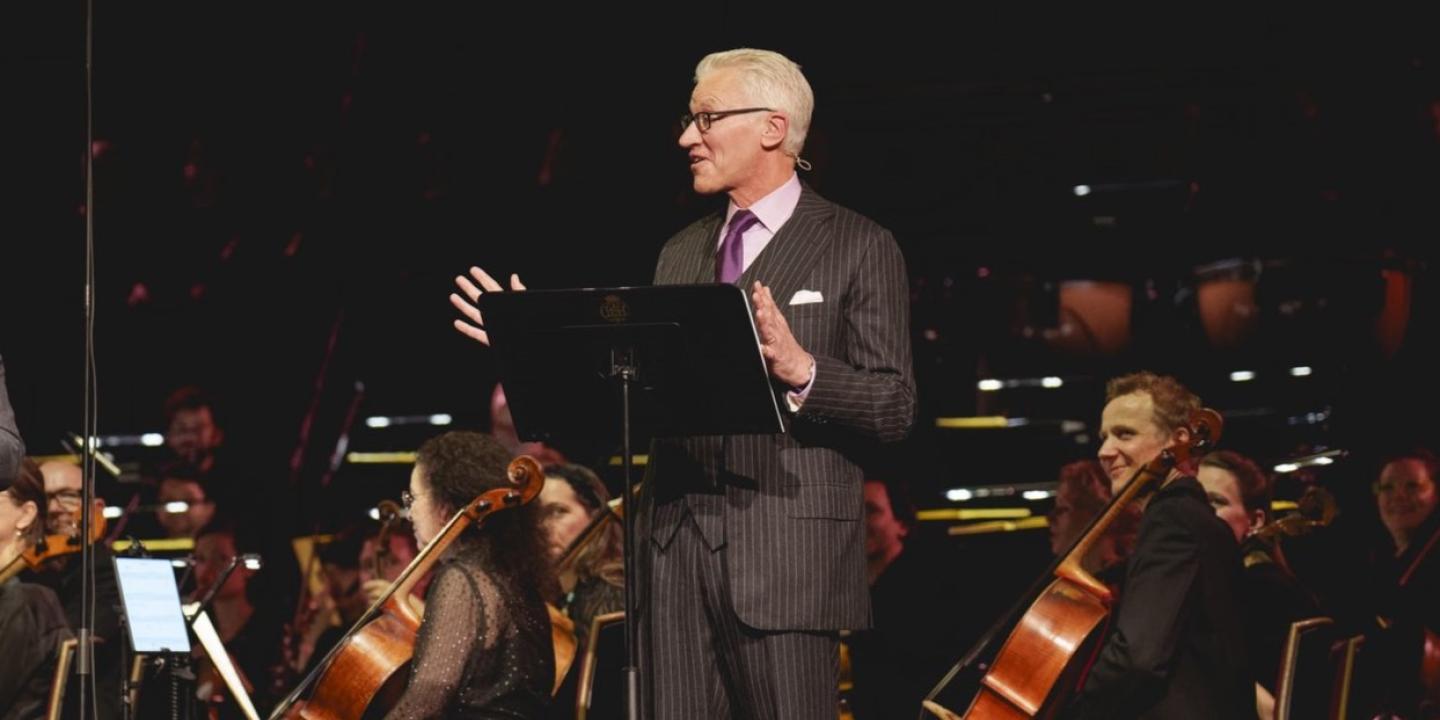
[[1118, 482], [705, 185]]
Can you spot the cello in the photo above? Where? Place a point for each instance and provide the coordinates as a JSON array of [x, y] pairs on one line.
[[1048, 647], [363, 674]]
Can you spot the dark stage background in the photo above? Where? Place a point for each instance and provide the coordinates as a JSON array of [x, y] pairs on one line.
[[283, 194]]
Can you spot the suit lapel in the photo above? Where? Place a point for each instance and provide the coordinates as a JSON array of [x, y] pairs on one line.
[[794, 251], [702, 255]]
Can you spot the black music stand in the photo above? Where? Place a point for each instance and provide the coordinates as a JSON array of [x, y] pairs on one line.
[[674, 361]]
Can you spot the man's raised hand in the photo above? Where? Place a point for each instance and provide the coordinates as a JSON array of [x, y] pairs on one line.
[[472, 325]]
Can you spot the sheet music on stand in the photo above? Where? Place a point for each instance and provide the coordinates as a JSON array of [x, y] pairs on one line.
[[155, 621]]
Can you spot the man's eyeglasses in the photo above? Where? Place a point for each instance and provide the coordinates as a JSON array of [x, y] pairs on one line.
[[705, 119], [70, 498], [407, 498]]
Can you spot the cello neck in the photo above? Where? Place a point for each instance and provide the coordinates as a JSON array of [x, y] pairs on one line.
[[1072, 566], [401, 589]]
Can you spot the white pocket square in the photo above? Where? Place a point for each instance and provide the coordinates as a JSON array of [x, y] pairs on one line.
[[805, 297]]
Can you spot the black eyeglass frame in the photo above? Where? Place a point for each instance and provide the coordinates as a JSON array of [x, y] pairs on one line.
[[705, 119]]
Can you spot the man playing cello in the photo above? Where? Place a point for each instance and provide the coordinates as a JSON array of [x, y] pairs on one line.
[[1176, 645]]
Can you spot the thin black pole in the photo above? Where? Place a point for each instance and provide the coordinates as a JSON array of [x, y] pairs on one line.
[[83, 656], [625, 370]]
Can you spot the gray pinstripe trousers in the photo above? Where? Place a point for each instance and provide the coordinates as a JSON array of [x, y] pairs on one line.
[[707, 664]]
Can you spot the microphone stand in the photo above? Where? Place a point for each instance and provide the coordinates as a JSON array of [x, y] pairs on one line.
[[84, 650]]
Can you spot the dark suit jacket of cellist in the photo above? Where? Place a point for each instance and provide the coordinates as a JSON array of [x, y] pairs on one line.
[[787, 509], [1177, 646]]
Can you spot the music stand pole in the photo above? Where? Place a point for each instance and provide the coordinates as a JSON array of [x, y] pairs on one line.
[[624, 369]]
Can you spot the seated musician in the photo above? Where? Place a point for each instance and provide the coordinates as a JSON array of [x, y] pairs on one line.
[[249, 623], [916, 626], [1176, 644], [1271, 597], [1080, 496], [484, 647], [182, 483], [32, 625], [357, 571], [381, 564], [593, 579], [1404, 589], [63, 574], [591, 574], [315, 630]]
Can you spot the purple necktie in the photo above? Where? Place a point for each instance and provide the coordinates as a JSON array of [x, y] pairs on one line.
[[730, 260]]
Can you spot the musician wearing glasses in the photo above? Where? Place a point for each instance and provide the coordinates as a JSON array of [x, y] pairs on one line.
[[63, 483], [484, 645]]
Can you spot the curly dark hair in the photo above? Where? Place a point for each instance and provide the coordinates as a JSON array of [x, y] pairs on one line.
[[459, 466], [1173, 401]]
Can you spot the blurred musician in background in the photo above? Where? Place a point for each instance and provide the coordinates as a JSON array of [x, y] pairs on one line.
[[1082, 493], [1405, 587], [1271, 596]]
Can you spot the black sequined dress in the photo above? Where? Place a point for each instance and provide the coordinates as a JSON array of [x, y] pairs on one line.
[[484, 648]]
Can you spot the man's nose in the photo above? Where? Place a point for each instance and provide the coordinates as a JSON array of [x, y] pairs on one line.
[[690, 136], [1106, 451]]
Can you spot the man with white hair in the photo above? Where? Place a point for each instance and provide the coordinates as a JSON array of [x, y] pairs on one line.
[[753, 546], [757, 542]]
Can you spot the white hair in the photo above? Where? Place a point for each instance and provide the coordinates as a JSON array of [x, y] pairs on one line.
[[772, 80]]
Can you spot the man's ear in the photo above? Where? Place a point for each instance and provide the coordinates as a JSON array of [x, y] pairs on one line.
[[1180, 436], [777, 126]]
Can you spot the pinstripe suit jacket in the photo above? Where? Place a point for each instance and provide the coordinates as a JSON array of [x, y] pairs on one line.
[[787, 509], [12, 448]]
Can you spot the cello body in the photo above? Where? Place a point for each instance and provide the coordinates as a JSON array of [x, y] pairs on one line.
[[369, 672], [1035, 663]]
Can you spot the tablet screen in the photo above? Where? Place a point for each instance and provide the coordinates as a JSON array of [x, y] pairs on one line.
[[152, 605]]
